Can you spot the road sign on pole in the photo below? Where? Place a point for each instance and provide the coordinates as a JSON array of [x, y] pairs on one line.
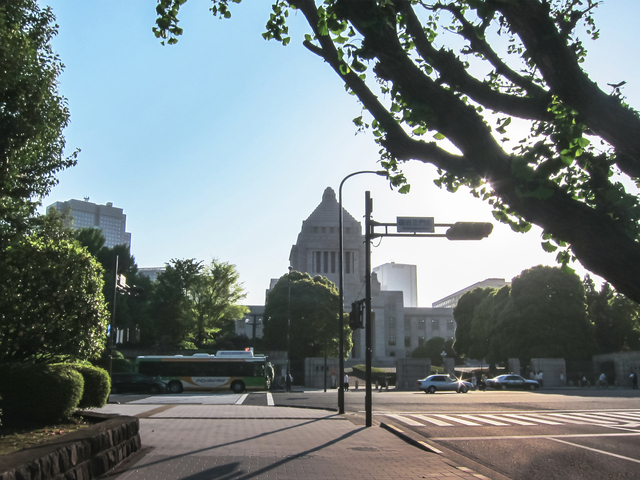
[[415, 224]]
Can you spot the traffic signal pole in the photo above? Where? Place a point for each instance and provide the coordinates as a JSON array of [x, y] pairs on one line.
[[408, 227], [368, 404]]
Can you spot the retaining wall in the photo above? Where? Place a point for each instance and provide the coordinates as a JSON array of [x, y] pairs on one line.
[[81, 455]]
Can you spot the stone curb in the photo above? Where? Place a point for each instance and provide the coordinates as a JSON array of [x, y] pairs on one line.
[[81, 455]]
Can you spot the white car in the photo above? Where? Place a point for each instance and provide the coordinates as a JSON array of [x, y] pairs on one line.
[[443, 383]]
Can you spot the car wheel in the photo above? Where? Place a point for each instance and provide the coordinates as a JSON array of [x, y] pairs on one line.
[[504, 387], [431, 389], [154, 389], [237, 387], [533, 387], [175, 386], [463, 389]]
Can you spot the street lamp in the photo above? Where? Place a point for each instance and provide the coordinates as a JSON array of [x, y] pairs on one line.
[[382, 173]]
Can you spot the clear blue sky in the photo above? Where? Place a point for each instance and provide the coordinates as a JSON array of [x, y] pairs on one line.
[[221, 145]]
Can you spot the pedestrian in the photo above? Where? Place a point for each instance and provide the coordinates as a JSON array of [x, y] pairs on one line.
[[346, 382], [634, 380], [474, 381], [602, 381], [289, 381], [541, 381]]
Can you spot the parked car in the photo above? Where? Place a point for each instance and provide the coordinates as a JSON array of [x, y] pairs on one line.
[[136, 383], [502, 382], [443, 383]]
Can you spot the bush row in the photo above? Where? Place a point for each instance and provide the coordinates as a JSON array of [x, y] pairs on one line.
[[378, 375], [50, 393]]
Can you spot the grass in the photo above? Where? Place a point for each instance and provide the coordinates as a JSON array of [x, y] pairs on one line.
[[18, 437]]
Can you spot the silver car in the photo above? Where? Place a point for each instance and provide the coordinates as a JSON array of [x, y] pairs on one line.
[[443, 383]]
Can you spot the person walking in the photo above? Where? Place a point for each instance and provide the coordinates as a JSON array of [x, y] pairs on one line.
[[634, 380], [346, 382]]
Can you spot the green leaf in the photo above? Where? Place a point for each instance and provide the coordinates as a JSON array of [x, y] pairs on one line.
[[439, 136], [549, 247]]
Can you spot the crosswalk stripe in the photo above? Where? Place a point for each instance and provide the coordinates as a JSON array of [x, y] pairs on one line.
[[536, 419], [435, 421], [524, 419], [593, 419], [485, 419], [405, 420], [458, 420]]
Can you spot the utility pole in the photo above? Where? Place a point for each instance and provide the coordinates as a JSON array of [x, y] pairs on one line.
[[368, 404]]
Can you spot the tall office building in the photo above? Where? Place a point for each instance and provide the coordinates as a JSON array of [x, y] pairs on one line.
[[396, 276], [109, 219]]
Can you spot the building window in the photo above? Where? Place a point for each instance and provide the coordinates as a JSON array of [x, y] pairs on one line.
[[449, 324], [407, 341], [318, 261], [420, 341], [407, 324], [326, 262], [392, 340], [333, 262], [421, 320], [392, 322], [435, 324]]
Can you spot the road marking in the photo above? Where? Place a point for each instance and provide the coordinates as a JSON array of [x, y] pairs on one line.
[[458, 420], [435, 421], [405, 420], [270, 402], [242, 399], [603, 452], [593, 419], [528, 437], [534, 419], [516, 422], [485, 419]]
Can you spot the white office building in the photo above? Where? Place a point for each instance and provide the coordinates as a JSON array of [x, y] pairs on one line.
[[109, 219]]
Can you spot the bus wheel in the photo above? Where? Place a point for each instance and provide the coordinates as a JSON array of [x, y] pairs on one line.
[[237, 387], [175, 387]]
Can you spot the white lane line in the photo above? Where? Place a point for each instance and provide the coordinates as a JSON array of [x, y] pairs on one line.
[[526, 437], [485, 419], [532, 418], [434, 421], [458, 420], [270, 400], [242, 399], [595, 450], [405, 420]]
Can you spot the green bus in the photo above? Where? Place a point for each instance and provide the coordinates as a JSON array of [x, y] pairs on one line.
[[226, 370]]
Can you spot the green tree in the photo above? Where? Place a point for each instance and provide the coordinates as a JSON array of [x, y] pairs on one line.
[[545, 316], [311, 305], [463, 314], [214, 297], [32, 114], [51, 303], [456, 83], [431, 349], [195, 305], [616, 319], [486, 326]]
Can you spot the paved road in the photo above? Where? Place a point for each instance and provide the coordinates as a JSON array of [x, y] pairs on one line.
[[580, 434]]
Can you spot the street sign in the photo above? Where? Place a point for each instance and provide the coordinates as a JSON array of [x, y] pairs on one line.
[[415, 224]]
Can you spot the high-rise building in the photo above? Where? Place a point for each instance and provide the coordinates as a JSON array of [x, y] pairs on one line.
[[396, 276], [109, 219], [450, 301]]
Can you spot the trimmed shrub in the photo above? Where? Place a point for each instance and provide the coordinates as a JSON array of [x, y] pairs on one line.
[[118, 364], [39, 393], [377, 375], [97, 386]]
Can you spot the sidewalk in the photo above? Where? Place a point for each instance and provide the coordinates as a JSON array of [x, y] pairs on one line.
[[201, 442]]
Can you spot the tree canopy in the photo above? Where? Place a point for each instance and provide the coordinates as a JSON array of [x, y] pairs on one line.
[[52, 306], [493, 93], [311, 305], [32, 114], [542, 314], [193, 303]]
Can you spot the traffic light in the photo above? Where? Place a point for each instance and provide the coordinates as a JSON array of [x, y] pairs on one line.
[[356, 316], [469, 231]]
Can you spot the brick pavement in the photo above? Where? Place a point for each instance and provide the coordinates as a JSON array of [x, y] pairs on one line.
[[201, 442]]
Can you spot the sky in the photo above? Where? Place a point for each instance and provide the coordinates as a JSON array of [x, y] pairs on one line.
[[222, 145]]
